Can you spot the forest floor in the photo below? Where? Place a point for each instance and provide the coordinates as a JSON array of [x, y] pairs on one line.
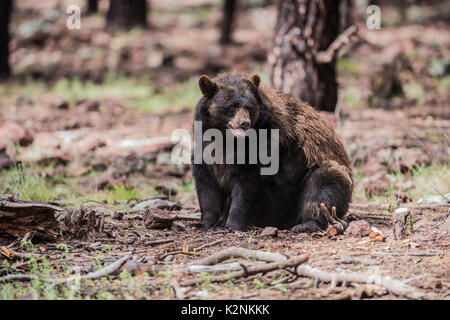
[[75, 129]]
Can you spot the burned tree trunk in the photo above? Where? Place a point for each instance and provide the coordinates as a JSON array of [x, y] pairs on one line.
[[5, 14], [17, 218], [229, 9], [303, 33], [126, 14], [92, 6]]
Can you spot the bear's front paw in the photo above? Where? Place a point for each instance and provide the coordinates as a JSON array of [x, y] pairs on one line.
[[205, 225], [237, 226]]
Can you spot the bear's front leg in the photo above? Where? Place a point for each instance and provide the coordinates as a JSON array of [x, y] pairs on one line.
[[241, 215], [210, 197]]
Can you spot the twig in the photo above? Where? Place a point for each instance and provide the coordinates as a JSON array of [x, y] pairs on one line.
[[90, 276], [156, 242], [396, 287], [195, 250], [249, 270], [234, 252], [206, 245]]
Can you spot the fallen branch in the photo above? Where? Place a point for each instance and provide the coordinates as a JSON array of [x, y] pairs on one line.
[[249, 270], [209, 244], [217, 268], [157, 242], [234, 252], [396, 287], [113, 267]]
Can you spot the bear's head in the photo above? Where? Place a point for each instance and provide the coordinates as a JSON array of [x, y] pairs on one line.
[[232, 102]]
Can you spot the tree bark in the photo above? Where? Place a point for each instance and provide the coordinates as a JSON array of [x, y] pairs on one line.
[[17, 218], [303, 29], [5, 15], [92, 6], [229, 10], [126, 14]]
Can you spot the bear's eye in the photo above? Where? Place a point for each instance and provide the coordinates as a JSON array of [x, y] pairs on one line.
[[233, 106]]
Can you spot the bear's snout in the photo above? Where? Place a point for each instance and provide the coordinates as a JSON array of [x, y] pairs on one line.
[[244, 123], [241, 120]]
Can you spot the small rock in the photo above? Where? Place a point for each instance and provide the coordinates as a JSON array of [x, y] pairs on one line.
[[358, 229], [269, 232], [157, 219], [178, 226]]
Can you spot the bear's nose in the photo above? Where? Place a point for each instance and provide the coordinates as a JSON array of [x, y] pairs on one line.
[[244, 124]]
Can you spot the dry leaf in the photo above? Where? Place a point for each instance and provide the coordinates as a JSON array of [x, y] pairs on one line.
[[379, 238], [6, 252], [373, 235]]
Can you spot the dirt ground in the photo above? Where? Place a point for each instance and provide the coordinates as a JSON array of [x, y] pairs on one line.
[[98, 146]]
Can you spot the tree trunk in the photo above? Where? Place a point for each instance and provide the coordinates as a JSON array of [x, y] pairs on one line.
[[126, 14], [92, 6], [303, 29], [229, 9], [5, 14]]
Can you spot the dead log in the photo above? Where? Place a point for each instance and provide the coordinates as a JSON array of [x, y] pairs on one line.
[[17, 218]]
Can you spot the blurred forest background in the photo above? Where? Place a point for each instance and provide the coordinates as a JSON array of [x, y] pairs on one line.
[[87, 114]]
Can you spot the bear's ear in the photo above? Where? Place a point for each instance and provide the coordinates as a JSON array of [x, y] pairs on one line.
[[255, 79], [207, 86]]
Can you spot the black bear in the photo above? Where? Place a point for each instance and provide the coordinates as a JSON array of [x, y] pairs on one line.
[[313, 165]]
